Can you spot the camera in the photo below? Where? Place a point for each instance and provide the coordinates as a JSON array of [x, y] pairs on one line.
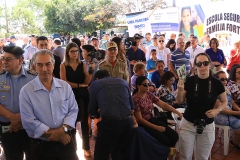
[[200, 123], [130, 41], [94, 54]]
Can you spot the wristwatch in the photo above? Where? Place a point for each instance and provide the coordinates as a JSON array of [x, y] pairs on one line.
[[65, 129]]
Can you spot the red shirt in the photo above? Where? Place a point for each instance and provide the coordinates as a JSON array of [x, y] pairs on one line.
[[145, 105], [234, 59]]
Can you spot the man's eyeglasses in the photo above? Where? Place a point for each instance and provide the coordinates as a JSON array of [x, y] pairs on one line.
[[223, 79], [161, 41], [7, 59], [74, 51], [205, 63], [146, 84]]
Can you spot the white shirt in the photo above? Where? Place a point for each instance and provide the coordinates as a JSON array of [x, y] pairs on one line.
[[149, 51], [194, 52], [162, 55]]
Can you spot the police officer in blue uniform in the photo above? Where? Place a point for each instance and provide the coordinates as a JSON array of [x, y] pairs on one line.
[[31, 49], [15, 140]]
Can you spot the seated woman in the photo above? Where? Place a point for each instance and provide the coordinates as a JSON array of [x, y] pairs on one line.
[[156, 75], [136, 147], [231, 115], [151, 63], [233, 84], [143, 101], [139, 70]]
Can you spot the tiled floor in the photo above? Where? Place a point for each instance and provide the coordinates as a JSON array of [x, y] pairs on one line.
[[217, 150]]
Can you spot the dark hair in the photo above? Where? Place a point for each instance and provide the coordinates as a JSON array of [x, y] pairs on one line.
[[148, 34], [160, 61], [88, 47], [77, 41], [218, 73], [57, 41], [171, 41], [188, 43], [166, 76], [101, 74], [232, 74], [41, 38], [189, 8], [139, 81], [202, 54], [117, 40], [216, 41], [153, 50]]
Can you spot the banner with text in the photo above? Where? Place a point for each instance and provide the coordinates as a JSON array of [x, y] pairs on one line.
[[138, 23], [164, 20], [218, 19]]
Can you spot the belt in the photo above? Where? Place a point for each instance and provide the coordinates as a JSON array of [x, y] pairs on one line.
[[5, 123], [115, 118]]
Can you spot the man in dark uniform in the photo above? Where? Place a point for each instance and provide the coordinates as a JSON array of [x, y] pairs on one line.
[[15, 140]]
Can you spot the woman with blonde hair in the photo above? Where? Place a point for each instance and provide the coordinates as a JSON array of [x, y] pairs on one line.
[[74, 71]]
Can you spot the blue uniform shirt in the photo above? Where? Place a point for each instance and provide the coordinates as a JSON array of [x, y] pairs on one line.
[[112, 96], [10, 87], [42, 109]]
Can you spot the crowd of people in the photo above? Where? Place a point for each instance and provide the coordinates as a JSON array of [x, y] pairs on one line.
[[46, 89]]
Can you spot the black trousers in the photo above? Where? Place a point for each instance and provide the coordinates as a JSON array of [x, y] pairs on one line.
[[44, 150], [83, 109], [111, 138], [168, 138], [15, 144]]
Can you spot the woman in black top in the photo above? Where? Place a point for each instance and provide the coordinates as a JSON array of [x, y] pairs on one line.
[[73, 71], [201, 92]]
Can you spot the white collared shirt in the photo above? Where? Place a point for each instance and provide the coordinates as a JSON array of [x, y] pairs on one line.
[[194, 52]]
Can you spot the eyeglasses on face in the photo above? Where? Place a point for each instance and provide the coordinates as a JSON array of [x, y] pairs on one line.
[[161, 41], [7, 59], [74, 51], [223, 79], [146, 84], [205, 63]]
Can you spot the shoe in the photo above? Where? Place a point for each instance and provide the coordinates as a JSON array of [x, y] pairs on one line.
[[87, 153], [172, 152], [235, 145]]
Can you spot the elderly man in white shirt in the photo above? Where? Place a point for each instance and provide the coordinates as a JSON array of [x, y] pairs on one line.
[[194, 50]]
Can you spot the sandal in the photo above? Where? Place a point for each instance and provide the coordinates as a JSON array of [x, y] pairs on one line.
[[235, 145], [172, 152]]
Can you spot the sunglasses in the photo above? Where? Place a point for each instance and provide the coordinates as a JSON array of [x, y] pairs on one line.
[[161, 41], [205, 63], [223, 79], [146, 84]]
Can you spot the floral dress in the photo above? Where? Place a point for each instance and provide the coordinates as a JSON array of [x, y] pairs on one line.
[[234, 88], [166, 96], [227, 120]]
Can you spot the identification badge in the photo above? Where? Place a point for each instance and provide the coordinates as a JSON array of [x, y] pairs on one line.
[[5, 129], [4, 88]]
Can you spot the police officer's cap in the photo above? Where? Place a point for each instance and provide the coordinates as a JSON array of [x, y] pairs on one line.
[[15, 50]]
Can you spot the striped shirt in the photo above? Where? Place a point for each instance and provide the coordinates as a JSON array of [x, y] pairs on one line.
[[178, 58]]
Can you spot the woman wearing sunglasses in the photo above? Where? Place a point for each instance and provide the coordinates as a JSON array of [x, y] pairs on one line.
[[163, 53], [143, 101], [197, 125], [231, 115], [234, 83]]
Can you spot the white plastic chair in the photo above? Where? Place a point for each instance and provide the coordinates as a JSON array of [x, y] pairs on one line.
[[226, 136], [175, 116]]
